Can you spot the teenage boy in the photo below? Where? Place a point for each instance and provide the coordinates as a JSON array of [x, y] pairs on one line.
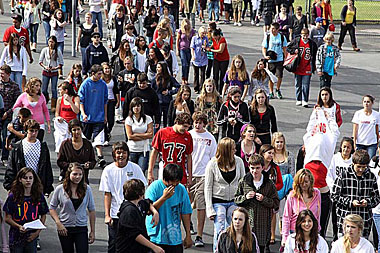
[[93, 95], [356, 191], [204, 148], [111, 183], [149, 98], [96, 53], [258, 194], [16, 128], [317, 32], [175, 146], [127, 78], [131, 233], [129, 36], [172, 201], [275, 42], [116, 28]]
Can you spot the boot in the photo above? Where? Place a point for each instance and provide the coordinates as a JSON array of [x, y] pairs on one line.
[[60, 74], [34, 47], [355, 48], [53, 105]]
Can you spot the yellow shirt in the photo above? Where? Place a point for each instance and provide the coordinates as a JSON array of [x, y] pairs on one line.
[[349, 17]]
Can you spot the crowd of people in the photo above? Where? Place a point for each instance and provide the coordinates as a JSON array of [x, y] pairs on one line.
[[221, 154]]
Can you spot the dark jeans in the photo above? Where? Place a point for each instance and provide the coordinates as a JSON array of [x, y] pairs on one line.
[[246, 3], [112, 230], [40, 135], [47, 29], [140, 159], [110, 118], [325, 80], [171, 248], [75, 236], [4, 133], [209, 68], [45, 86], [197, 86], [174, 10], [185, 61], [334, 220], [33, 29], [91, 130], [97, 16], [325, 212], [164, 113], [28, 247], [220, 68], [343, 31]]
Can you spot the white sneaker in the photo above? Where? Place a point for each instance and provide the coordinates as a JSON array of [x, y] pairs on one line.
[[81, 10], [257, 24], [235, 24], [305, 104], [240, 24], [298, 103], [65, 35], [252, 22]]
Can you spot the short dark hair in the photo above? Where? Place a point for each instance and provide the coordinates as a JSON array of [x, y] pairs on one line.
[[183, 118], [95, 69], [142, 77], [200, 116], [119, 145], [31, 124], [276, 25], [74, 123], [25, 112], [360, 157], [6, 68], [256, 160], [133, 189], [173, 172]]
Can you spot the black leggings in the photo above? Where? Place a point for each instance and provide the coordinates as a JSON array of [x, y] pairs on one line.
[[110, 118], [343, 31], [220, 68], [198, 85], [209, 68], [75, 236], [325, 212], [246, 3], [334, 220]]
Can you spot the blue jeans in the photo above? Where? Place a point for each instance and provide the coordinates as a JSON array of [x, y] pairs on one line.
[[45, 86], [222, 219], [33, 29], [61, 46], [4, 134], [140, 159], [213, 6], [16, 76], [371, 149], [97, 16], [28, 247], [302, 87], [185, 61], [47, 29], [83, 52], [376, 221]]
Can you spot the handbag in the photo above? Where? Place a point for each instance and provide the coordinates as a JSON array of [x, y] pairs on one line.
[[291, 62], [332, 27]]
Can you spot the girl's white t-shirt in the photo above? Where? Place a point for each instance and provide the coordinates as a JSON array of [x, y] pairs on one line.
[[337, 165], [138, 127], [290, 245], [366, 127], [364, 246]]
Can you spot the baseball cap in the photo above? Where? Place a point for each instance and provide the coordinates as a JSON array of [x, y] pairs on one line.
[[94, 34], [17, 16], [319, 20]]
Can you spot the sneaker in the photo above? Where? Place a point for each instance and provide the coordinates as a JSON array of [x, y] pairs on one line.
[[199, 242], [257, 24], [278, 94], [192, 232], [38, 244], [102, 163], [61, 77], [235, 23], [240, 24], [271, 95], [60, 178], [340, 48], [81, 10], [106, 143], [13, 9], [252, 22], [298, 103], [305, 104]]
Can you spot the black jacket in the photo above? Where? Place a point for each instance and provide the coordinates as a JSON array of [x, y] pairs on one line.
[[150, 102], [267, 124], [125, 85], [294, 44], [148, 21], [266, 8], [16, 162], [344, 13], [172, 111], [227, 245], [94, 55]]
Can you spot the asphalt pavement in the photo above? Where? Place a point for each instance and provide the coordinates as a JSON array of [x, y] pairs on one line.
[[358, 75]]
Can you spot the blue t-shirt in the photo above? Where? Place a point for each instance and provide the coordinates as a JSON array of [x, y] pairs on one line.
[[275, 45], [93, 95], [200, 55], [168, 230], [328, 67]]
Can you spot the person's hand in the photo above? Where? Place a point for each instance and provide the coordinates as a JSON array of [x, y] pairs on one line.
[[250, 195], [22, 229], [320, 73], [232, 121], [10, 127], [335, 69], [110, 46], [33, 236], [31, 60], [344, 23], [85, 118], [62, 231], [165, 92], [77, 48], [5, 115], [267, 57], [87, 165], [187, 243], [60, 120], [158, 249], [117, 105], [119, 78], [177, 51], [259, 196], [296, 52], [168, 192], [91, 237], [67, 97], [363, 203], [150, 178], [192, 58], [258, 141], [108, 221], [155, 219], [49, 128], [105, 120], [356, 203]]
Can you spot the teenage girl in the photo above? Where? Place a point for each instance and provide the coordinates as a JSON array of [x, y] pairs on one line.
[[327, 103], [75, 78]]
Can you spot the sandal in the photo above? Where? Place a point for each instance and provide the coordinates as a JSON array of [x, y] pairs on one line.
[[272, 241]]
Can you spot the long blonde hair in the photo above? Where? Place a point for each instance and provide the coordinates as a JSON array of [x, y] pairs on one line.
[[224, 156], [242, 74], [165, 24], [185, 27], [358, 221], [299, 178], [275, 136], [201, 99]]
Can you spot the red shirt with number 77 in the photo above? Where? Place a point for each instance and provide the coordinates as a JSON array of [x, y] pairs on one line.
[[174, 147]]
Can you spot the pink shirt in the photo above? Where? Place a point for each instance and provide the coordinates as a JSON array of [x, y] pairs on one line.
[[293, 207], [38, 111]]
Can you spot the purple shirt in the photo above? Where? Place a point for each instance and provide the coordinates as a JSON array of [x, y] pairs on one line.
[[236, 82], [184, 40]]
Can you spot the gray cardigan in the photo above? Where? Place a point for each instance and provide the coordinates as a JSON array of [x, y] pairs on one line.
[[47, 61], [67, 214]]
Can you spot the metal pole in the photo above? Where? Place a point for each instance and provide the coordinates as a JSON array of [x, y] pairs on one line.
[[74, 28]]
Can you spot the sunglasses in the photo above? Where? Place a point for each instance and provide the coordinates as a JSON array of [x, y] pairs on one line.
[[96, 37]]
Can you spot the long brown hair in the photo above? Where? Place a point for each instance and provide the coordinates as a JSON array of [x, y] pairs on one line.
[[247, 234], [18, 189], [224, 156], [10, 42], [300, 237], [299, 178], [163, 78], [82, 187], [258, 74], [254, 103], [31, 82], [71, 74], [178, 99], [241, 73], [201, 99], [106, 78], [272, 171]]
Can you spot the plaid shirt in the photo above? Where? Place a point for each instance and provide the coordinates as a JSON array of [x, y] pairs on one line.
[[10, 92], [349, 187]]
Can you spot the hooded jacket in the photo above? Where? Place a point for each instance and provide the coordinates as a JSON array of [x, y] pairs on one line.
[[94, 55], [294, 44]]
